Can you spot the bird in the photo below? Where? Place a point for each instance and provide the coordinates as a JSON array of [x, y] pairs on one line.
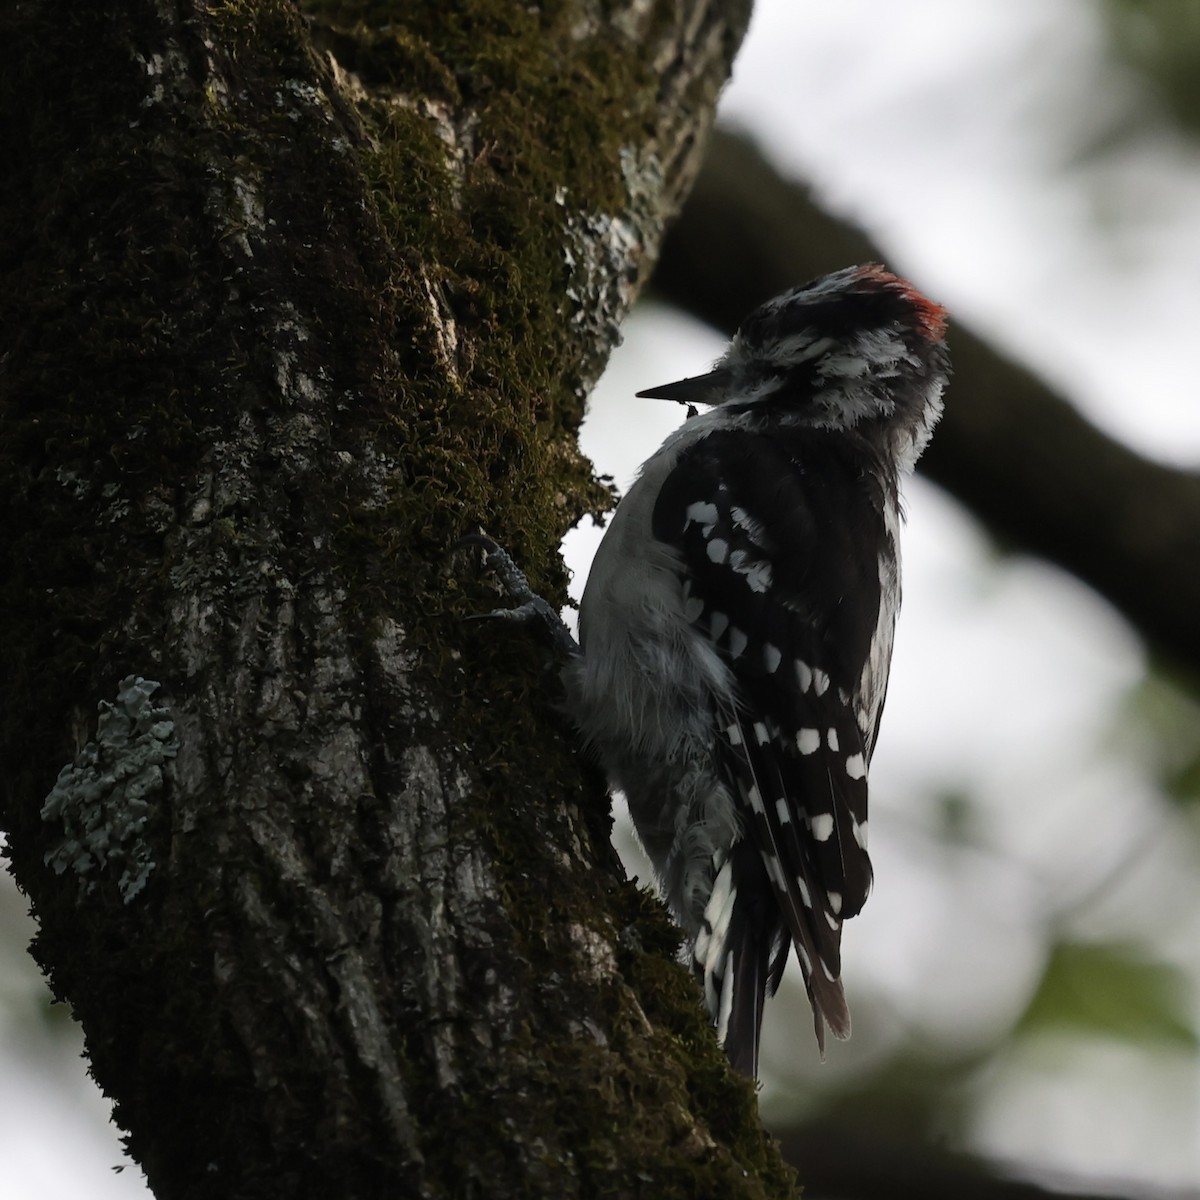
[[736, 629]]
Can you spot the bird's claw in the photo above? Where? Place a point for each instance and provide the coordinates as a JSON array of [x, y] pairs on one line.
[[532, 607]]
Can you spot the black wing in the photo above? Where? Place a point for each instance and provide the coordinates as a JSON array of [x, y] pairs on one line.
[[781, 538]]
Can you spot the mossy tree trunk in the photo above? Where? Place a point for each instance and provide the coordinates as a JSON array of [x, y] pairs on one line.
[[294, 298]]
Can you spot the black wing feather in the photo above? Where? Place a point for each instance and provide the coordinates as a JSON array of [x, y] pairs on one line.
[[780, 538]]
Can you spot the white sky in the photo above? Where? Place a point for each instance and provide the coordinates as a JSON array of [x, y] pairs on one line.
[[939, 125]]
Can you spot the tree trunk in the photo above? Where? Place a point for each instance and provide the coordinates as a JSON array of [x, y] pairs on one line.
[[292, 301]]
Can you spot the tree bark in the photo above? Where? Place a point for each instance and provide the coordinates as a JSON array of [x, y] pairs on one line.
[[293, 300], [1021, 457]]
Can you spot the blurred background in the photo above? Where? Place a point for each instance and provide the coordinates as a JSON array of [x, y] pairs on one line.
[[1025, 980]]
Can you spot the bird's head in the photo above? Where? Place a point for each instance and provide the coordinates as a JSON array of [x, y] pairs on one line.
[[858, 349]]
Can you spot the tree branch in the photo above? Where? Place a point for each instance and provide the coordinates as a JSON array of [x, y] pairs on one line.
[[1018, 455]]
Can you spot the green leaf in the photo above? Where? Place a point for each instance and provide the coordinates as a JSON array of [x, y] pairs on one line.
[[1114, 990]]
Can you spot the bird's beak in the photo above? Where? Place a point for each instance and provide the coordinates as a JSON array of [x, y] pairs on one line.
[[699, 389]]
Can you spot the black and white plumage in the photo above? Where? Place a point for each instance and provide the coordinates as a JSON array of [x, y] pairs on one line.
[[736, 633]]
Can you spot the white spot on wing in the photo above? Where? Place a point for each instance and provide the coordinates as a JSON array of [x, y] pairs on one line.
[[693, 609], [774, 870], [820, 681], [772, 657], [808, 741], [743, 520], [702, 512], [734, 734], [759, 577], [718, 623], [835, 901], [804, 675], [860, 833], [756, 572], [855, 767], [760, 733], [737, 641], [831, 739], [822, 826], [804, 894], [754, 796], [784, 810], [718, 550]]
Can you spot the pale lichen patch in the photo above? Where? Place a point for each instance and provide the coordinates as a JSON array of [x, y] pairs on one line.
[[606, 253], [103, 799]]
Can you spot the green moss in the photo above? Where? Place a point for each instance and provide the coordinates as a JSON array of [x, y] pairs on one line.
[[483, 222]]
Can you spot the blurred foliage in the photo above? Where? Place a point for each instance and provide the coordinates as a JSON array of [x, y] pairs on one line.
[[918, 1093], [957, 817], [1113, 990], [1160, 39], [1163, 716]]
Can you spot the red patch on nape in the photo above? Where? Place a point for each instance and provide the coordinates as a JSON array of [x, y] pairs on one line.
[[930, 315]]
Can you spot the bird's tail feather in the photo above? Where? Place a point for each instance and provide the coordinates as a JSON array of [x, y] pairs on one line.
[[740, 954]]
